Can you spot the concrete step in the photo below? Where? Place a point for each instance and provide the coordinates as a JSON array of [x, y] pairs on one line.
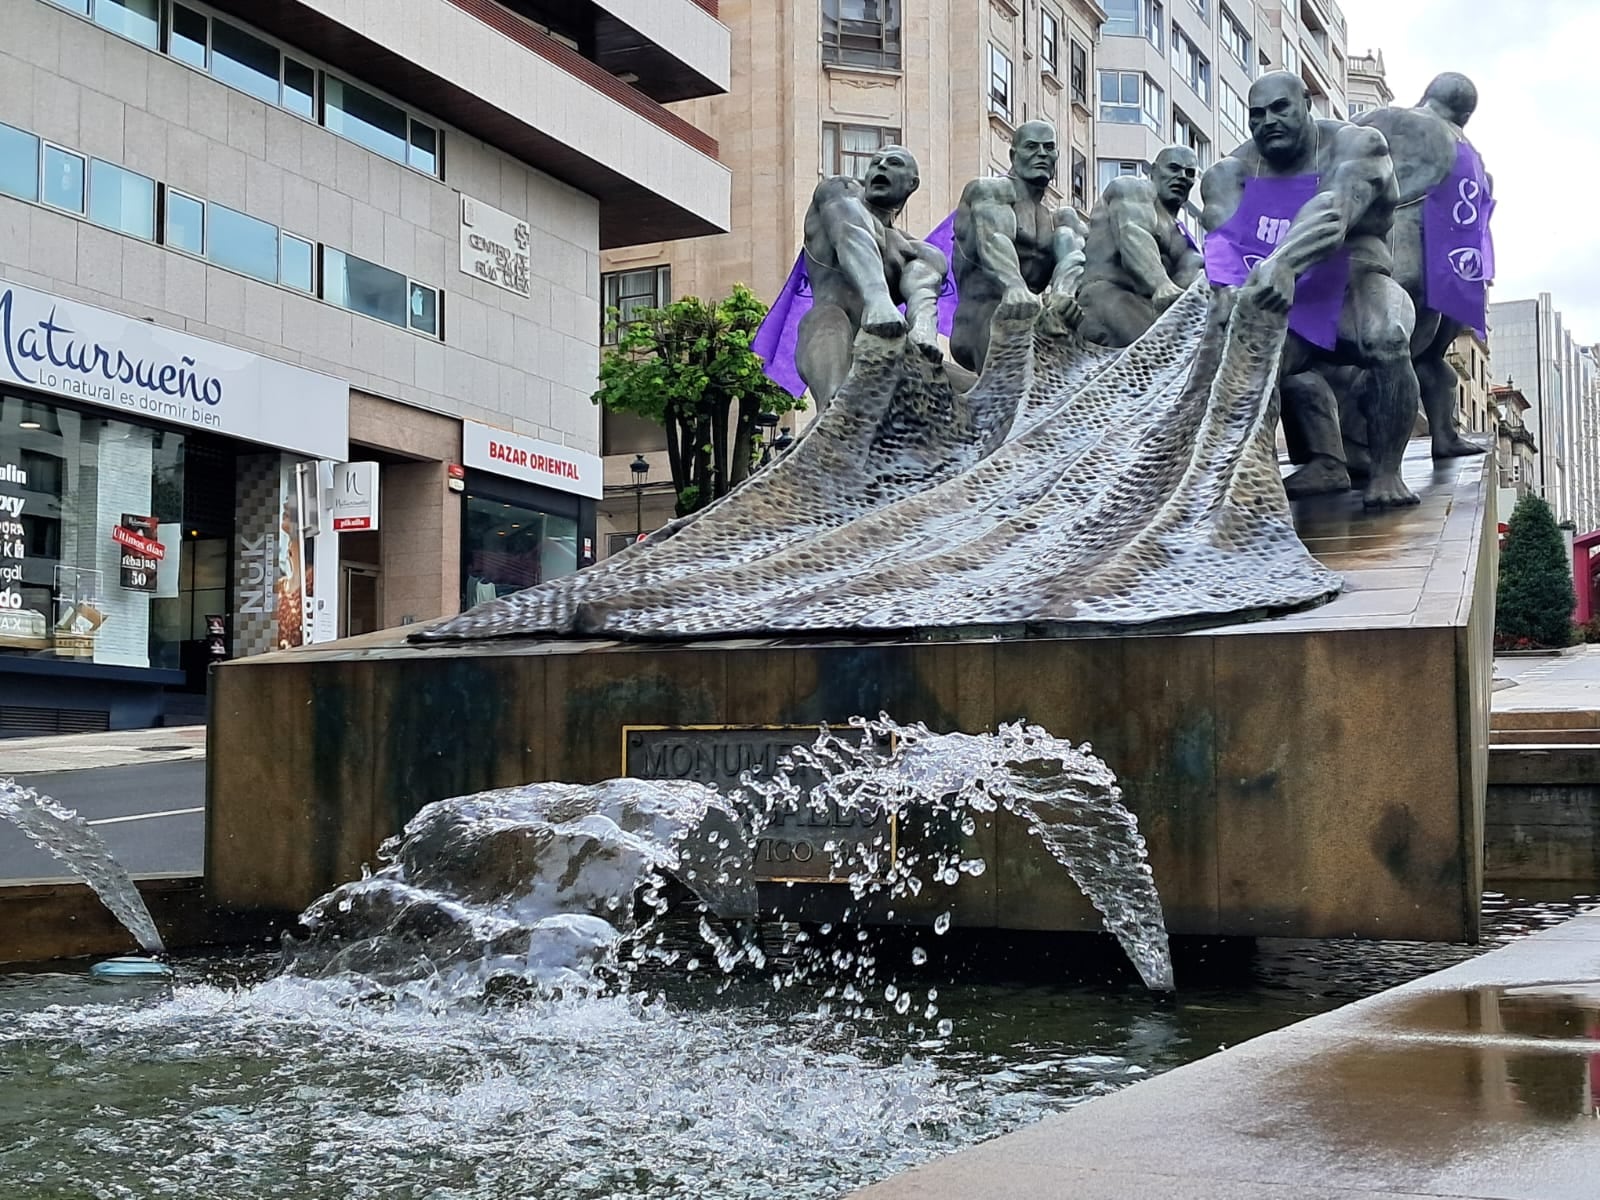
[[1573, 718], [1521, 737]]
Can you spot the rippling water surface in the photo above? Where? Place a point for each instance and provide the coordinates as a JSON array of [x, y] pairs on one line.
[[229, 1083]]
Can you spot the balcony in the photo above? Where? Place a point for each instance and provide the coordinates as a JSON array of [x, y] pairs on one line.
[[668, 49], [496, 76]]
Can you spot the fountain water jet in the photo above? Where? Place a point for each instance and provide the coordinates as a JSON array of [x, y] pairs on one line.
[[64, 834], [544, 882]]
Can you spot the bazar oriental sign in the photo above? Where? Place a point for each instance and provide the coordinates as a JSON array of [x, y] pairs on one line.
[[100, 357], [487, 449]]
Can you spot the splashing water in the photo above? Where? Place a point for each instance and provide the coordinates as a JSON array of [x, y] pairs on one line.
[[546, 883], [1066, 797], [63, 833]]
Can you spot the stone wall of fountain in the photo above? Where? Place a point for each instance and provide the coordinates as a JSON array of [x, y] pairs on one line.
[[1315, 775]]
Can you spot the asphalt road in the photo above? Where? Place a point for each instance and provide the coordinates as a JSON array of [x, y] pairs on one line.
[[150, 816]]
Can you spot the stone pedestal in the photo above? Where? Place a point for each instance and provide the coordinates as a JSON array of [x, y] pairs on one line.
[[1317, 775]]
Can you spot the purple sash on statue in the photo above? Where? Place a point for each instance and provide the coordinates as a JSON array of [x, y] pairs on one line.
[[1266, 210], [1457, 248], [774, 341], [944, 240]]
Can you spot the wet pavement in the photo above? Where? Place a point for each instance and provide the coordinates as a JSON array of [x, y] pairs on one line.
[[88, 751], [1567, 682], [1481, 1082]]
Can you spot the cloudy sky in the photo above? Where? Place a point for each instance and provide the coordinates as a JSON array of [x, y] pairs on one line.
[[1538, 73]]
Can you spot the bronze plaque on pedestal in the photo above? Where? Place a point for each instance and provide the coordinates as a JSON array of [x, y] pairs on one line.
[[795, 848]]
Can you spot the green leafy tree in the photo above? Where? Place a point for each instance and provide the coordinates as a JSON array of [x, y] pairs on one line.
[[1534, 604], [688, 367]]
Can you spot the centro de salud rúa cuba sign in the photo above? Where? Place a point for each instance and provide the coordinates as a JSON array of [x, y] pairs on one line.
[[89, 354], [795, 847], [494, 246]]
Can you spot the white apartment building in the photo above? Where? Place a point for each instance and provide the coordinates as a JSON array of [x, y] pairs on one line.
[[246, 242], [1533, 350], [1178, 71]]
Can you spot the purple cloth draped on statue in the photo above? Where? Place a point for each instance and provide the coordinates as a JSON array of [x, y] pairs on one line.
[[1266, 210], [775, 341], [943, 239], [1457, 248]]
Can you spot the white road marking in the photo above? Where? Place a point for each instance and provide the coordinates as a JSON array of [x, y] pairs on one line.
[[171, 812]]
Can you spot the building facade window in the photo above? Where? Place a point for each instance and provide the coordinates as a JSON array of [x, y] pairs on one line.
[[296, 258], [1233, 116], [1111, 168], [847, 149], [70, 592], [1236, 41], [630, 292], [1135, 18], [1080, 73], [137, 206], [1186, 133], [1203, 7], [1291, 55], [1049, 42], [137, 20], [1080, 180], [1131, 98], [999, 82], [250, 63], [62, 184], [861, 33], [508, 545], [121, 200], [242, 243], [19, 163], [1190, 65], [376, 291]]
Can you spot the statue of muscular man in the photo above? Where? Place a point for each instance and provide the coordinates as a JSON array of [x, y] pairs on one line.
[[1010, 248], [1300, 217], [1138, 258], [1443, 272], [861, 267]]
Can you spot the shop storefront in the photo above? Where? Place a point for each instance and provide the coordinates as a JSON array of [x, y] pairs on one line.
[[528, 512], [152, 489]]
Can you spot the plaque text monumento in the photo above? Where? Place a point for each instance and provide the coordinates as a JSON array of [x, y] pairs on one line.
[[795, 846]]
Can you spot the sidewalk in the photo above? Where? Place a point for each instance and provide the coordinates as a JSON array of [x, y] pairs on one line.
[[86, 751], [1476, 1082], [1559, 683]]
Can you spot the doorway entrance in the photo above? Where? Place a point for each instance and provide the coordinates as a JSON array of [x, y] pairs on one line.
[[360, 598]]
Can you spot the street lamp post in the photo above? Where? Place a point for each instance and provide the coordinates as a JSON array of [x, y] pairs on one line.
[[766, 422], [640, 469]]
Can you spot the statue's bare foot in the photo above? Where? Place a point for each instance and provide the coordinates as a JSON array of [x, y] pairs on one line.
[[925, 337], [1388, 490], [883, 321], [1453, 445], [1019, 304], [1319, 477]]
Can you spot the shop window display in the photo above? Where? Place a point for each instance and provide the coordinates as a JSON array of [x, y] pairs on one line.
[[90, 535], [509, 547]]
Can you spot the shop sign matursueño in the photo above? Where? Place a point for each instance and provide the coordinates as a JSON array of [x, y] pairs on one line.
[[100, 357]]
